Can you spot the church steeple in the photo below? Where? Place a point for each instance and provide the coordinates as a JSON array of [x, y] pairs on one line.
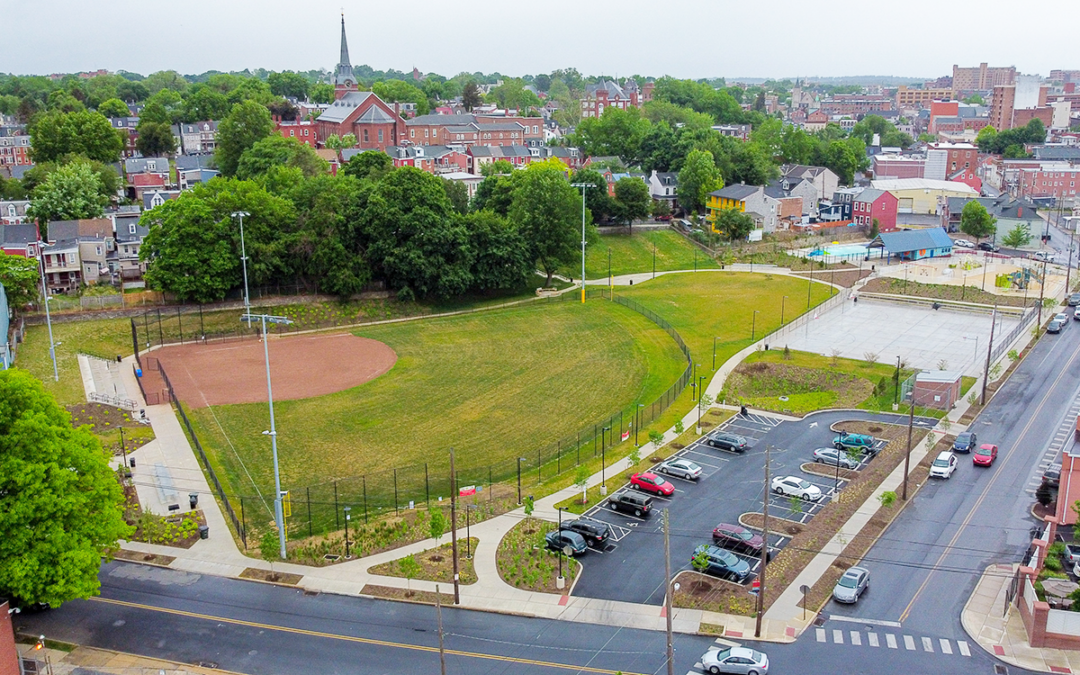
[[344, 80]]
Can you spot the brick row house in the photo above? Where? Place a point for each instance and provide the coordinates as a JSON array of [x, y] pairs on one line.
[[78, 253], [607, 94], [128, 126], [871, 204], [14, 147]]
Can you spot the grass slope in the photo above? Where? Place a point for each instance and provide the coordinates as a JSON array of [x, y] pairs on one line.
[[105, 338], [493, 385], [634, 253]]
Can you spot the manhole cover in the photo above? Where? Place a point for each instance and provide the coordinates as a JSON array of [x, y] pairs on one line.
[[609, 548], [1000, 669], [819, 621], [207, 664], [311, 593]]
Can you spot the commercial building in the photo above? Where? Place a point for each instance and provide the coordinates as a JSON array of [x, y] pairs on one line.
[[920, 98], [981, 78], [923, 195], [1014, 105]]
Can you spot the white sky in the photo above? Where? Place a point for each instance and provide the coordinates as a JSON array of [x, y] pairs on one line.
[[682, 38]]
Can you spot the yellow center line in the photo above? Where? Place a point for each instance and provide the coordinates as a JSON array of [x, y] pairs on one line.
[[982, 496], [367, 641]]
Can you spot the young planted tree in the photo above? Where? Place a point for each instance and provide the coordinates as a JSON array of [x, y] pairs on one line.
[[410, 569], [700, 561], [581, 481], [656, 438], [976, 221], [436, 523]]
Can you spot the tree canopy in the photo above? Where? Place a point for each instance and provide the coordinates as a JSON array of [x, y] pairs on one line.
[[547, 211], [70, 192], [57, 134], [976, 221], [275, 150], [247, 124]]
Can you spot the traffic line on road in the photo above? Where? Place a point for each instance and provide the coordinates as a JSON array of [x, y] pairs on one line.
[[909, 643], [872, 639], [890, 640], [963, 647], [359, 640], [820, 634], [946, 647], [871, 622], [838, 636], [928, 645], [856, 638]]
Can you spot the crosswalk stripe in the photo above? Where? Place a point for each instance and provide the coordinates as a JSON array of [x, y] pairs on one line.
[[872, 637], [927, 645], [856, 638], [838, 637], [963, 647], [820, 634], [946, 647], [909, 643], [890, 640]]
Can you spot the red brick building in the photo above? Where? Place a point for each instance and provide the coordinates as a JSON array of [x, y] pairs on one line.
[[305, 131], [1053, 182], [468, 130], [15, 150], [856, 104], [870, 204], [961, 163], [361, 113], [607, 94]]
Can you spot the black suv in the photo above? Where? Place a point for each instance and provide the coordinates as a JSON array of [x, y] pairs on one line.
[[726, 441], [594, 532], [1052, 475], [632, 502], [989, 246]]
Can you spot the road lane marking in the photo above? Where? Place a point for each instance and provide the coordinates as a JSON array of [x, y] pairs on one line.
[[909, 643], [349, 638], [820, 634], [890, 640], [872, 622], [872, 638], [963, 647], [946, 648], [838, 637], [989, 486], [856, 638], [927, 645]]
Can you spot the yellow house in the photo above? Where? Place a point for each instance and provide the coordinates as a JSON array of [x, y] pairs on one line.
[[923, 195], [730, 197]]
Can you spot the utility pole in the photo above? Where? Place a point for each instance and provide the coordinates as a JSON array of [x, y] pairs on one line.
[[990, 347], [1042, 290], [667, 596], [438, 614], [453, 526], [907, 455], [764, 549], [583, 186]]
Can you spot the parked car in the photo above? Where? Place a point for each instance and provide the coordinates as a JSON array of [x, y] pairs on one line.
[[594, 532], [631, 502], [851, 585], [985, 455], [1074, 300], [965, 442], [797, 487], [1072, 553], [963, 243], [683, 468], [726, 441], [570, 543], [860, 441], [664, 218], [650, 482], [723, 563], [989, 246], [944, 465], [834, 457], [1044, 256], [737, 538], [1076, 314], [1055, 326], [1052, 475], [741, 660], [1062, 317]]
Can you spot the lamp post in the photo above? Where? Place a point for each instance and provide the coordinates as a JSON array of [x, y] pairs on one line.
[[701, 392], [48, 319], [278, 514], [243, 258], [123, 451], [468, 531], [809, 285], [654, 260], [693, 378], [783, 302], [603, 458], [347, 517], [896, 387], [583, 186], [714, 353], [753, 327], [520, 460], [560, 552], [638, 423]]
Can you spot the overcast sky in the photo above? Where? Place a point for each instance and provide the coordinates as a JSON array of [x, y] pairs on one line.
[[682, 38]]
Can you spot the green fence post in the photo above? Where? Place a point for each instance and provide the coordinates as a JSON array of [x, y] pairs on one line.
[[309, 531], [364, 478], [337, 518]]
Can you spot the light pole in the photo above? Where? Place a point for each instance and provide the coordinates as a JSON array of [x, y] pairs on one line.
[[468, 531], [583, 186], [693, 379], [603, 458], [809, 285], [347, 516], [638, 424], [654, 260], [896, 385], [783, 302], [560, 554], [714, 353], [520, 460], [279, 517], [753, 327], [243, 258], [48, 319]]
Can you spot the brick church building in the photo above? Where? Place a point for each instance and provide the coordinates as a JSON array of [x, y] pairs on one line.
[[361, 113]]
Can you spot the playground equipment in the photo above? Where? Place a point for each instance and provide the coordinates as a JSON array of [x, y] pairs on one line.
[[1020, 279]]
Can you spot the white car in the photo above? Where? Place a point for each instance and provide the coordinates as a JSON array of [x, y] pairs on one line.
[[741, 660], [796, 487], [963, 243], [944, 465], [1044, 255], [1062, 317], [683, 468]]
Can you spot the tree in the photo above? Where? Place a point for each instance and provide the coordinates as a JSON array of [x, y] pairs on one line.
[[700, 561], [62, 101], [975, 99], [109, 181], [581, 482], [20, 279], [61, 506], [410, 569], [247, 124], [656, 438], [321, 93], [55, 135], [370, 164], [270, 548], [661, 208], [401, 91], [976, 221], [205, 103], [277, 150], [155, 139], [71, 192], [501, 257], [436, 523], [542, 82], [1018, 237], [597, 200], [339, 143], [875, 228], [733, 224], [512, 94], [114, 107], [471, 96], [288, 84], [547, 212], [458, 195], [617, 132], [633, 198], [698, 177], [165, 79]]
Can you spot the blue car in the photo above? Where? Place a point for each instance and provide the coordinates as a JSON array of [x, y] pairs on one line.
[[965, 442], [569, 543], [846, 441], [722, 563]]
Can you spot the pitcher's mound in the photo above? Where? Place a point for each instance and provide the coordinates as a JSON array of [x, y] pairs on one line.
[[300, 367]]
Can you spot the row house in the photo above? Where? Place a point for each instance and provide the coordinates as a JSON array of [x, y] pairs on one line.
[[196, 138], [155, 198], [921, 98], [124, 260], [1059, 182], [957, 162], [146, 174], [824, 182], [752, 200], [518, 155], [14, 212], [433, 159], [870, 205], [470, 129], [855, 104], [20, 240], [664, 187], [789, 208], [15, 150], [93, 240], [1007, 210], [607, 94], [303, 131], [571, 157], [129, 128]]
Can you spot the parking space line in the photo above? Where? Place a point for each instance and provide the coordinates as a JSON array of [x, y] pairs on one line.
[[909, 643], [890, 640], [873, 639]]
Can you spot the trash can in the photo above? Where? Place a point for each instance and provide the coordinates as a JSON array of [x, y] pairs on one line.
[[204, 532], [131, 460], [138, 372], [193, 499], [119, 359]]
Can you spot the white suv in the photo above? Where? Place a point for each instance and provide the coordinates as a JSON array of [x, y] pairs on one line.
[[944, 465]]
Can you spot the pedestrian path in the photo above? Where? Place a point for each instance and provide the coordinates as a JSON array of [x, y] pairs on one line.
[[1062, 435], [889, 640]]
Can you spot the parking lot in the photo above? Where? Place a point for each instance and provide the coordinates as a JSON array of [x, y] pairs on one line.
[[630, 567]]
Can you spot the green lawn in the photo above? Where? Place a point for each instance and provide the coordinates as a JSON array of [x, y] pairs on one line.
[[105, 338], [704, 306], [495, 386], [634, 253]]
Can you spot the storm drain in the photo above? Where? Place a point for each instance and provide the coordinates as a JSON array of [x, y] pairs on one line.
[[1000, 669], [207, 664], [609, 548], [311, 593]]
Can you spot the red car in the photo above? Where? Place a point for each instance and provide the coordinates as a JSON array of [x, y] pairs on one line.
[[650, 482], [985, 455]]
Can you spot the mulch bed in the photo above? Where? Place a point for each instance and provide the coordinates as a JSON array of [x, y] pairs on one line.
[[102, 417], [841, 277], [700, 591], [940, 292], [755, 520], [391, 593], [525, 562], [270, 576], [436, 564], [1043, 512], [829, 471], [138, 556]]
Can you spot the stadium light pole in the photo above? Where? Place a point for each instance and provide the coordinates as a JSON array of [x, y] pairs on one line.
[[243, 258], [45, 301], [279, 517], [583, 186]]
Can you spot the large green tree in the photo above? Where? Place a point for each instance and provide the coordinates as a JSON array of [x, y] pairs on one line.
[[57, 134], [70, 192], [61, 506], [617, 132], [632, 199], [698, 177], [399, 91], [368, 165], [547, 212], [733, 224], [277, 150], [205, 103], [247, 124], [287, 84], [114, 107], [501, 257], [155, 139], [471, 96], [19, 276], [976, 221]]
